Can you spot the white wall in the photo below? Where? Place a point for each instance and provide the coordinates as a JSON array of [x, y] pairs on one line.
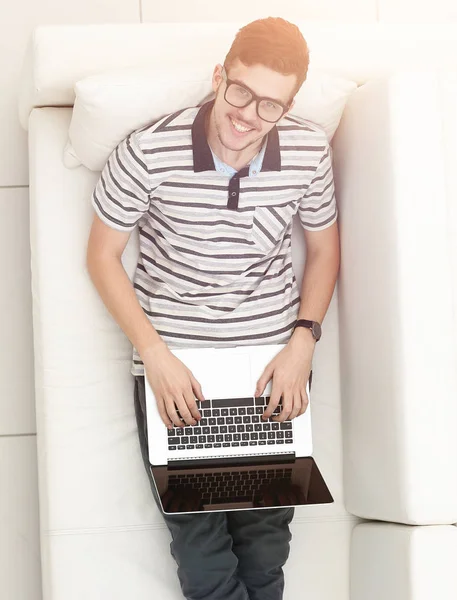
[[19, 544]]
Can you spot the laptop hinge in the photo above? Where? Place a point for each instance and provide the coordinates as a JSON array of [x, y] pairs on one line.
[[233, 460]]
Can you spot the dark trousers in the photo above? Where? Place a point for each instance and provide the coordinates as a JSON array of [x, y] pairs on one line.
[[233, 555]]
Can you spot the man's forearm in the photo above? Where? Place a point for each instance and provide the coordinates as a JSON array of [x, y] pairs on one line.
[[319, 279], [118, 295]]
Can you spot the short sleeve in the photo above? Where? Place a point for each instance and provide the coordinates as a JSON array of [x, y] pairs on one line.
[[122, 193], [317, 209]]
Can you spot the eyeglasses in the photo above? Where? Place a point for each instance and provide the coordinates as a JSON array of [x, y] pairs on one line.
[[240, 96]]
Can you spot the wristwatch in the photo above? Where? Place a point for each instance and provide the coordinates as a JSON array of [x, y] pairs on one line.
[[315, 327]]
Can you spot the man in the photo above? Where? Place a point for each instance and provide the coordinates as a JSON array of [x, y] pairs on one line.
[[213, 190]]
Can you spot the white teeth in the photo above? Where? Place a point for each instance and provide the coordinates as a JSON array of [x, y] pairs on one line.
[[239, 127]]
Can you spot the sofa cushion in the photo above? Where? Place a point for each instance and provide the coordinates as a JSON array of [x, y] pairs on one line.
[[111, 105]]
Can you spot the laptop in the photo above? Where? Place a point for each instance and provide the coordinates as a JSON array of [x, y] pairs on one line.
[[232, 460]]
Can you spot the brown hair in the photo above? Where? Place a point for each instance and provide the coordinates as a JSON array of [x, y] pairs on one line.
[[274, 43]]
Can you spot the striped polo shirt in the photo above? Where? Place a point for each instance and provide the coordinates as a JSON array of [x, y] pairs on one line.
[[215, 265]]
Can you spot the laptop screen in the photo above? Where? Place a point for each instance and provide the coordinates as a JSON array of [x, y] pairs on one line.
[[239, 483]]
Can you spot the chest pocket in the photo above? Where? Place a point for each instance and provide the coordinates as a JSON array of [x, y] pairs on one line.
[[270, 224]]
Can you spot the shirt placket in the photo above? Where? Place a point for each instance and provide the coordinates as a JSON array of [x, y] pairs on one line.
[[234, 188]]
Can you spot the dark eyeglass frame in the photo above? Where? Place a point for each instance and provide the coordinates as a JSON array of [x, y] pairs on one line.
[[257, 99]]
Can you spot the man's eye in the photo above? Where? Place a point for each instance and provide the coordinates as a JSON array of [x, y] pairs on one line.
[[242, 91], [271, 105]]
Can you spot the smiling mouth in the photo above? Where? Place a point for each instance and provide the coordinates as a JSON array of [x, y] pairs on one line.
[[239, 127]]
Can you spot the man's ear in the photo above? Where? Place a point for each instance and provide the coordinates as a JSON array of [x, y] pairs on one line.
[[217, 77]]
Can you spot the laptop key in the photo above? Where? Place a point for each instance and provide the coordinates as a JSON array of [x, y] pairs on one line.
[[280, 441], [212, 421], [223, 428], [225, 445], [216, 412], [289, 441], [259, 409], [253, 443], [179, 431], [205, 404], [238, 420], [190, 446], [202, 439], [229, 421], [249, 427], [250, 410], [215, 429], [236, 444], [171, 447], [288, 434], [244, 443], [206, 430], [199, 446], [232, 428], [233, 412], [217, 445], [237, 437], [231, 402], [193, 439], [208, 445], [184, 440], [207, 413], [286, 425], [270, 441], [257, 427], [219, 438], [262, 443], [275, 426], [173, 441], [181, 447]]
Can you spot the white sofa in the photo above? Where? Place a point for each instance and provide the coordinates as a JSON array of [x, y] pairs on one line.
[[384, 404]]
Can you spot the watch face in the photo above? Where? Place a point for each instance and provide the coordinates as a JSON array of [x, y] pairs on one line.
[[317, 331]]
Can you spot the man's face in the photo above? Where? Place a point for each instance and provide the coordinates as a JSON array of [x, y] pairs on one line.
[[239, 128]]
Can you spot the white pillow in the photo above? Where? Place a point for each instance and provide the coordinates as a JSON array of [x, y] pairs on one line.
[[111, 105]]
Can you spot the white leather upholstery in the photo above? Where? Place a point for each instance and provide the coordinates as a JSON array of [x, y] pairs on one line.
[[397, 562], [397, 304], [394, 399]]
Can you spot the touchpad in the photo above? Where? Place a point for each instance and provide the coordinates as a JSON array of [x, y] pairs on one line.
[[224, 377]]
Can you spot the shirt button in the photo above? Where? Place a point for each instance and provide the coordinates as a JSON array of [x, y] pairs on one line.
[[233, 194], [254, 172]]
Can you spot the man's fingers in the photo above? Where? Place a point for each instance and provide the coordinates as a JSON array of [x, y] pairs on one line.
[[275, 397], [296, 406], [287, 405], [304, 402], [263, 380], [197, 388], [163, 412], [192, 408], [172, 412]]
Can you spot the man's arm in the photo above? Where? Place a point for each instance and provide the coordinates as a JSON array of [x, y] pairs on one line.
[[172, 382], [104, 252], [319, 278], [290, 368]]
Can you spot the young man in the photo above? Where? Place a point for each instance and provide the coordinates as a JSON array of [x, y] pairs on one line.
[[213, 190]]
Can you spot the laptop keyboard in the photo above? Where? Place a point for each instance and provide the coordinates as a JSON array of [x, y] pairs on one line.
[[233, 422], [234, 486]]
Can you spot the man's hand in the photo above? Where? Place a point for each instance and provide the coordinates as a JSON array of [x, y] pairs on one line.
[[290, 370], [174, 386]]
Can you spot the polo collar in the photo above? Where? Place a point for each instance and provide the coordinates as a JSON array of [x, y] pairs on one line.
[[203, 159]]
